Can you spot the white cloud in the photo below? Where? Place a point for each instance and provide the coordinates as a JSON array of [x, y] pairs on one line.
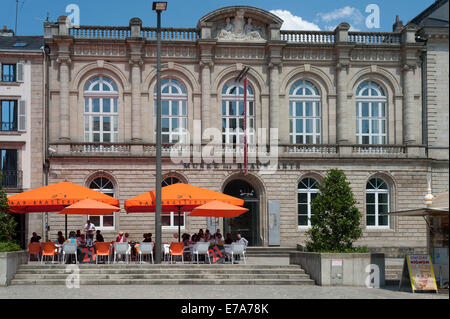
[[292, 22], [345, 14]]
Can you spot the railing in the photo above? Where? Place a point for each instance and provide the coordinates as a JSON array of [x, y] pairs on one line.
[[99, 148], [379, 149], [11, 179], [327, 37], [100, 32], [171, 34], [310, 148], [307, 36], [374, 37]]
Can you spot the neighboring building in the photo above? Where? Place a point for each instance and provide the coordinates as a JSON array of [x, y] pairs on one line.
[[340, 99], [21, 119], [433, 26]]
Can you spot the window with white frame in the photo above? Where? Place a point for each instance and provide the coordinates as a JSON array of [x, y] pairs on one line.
[[101, 110], [103, 185], [377, 203], [308, 189], [371, 116], [170, 220], [304, 113], [173, 111], [233, 114]]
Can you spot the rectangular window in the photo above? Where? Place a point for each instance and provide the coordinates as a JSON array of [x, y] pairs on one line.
[[9, 175], [305, 125], [171, 220], [8, 115], [371, 123], [233, 122], [8, 73]]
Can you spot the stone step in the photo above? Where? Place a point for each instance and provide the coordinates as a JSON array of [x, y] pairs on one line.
[[161, 266], [164, 276], [167, 282], [162, 271]]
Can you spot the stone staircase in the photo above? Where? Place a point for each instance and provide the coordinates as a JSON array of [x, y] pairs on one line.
[[269, 251], [164, 274]]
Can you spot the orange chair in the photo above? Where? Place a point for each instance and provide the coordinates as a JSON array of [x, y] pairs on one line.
[[103, 249], [176, 249], [49, 249], [34, 249]]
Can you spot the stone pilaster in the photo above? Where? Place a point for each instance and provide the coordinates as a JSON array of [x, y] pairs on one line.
[[206, 94], [64, 123], [135, 100], [274, 100]]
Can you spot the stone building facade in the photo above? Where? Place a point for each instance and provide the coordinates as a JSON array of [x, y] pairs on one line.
[[339, 99], [22, 119]]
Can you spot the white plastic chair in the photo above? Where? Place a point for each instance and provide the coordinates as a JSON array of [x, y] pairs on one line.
[[166, 251], [69, 249], [145, 249], [201, 248], [237, 249], [121, 249]]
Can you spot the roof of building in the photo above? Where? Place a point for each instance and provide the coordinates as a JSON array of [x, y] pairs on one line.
[[435, 15], [21, 43]]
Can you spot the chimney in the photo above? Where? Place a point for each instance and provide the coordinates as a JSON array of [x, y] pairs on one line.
[[6, 33], [398, 25]]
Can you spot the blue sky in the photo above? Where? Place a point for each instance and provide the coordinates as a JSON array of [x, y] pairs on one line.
[[298, 14]]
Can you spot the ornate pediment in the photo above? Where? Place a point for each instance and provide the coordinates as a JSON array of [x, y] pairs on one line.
[[240, 23]]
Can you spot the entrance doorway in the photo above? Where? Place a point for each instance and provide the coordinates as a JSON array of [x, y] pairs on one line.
[[247, 223]]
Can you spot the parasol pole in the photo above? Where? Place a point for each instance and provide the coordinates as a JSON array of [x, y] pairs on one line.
[[65, 223], [179, 227]]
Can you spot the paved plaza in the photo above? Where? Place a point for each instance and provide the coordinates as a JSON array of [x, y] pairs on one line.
[[209, 292]]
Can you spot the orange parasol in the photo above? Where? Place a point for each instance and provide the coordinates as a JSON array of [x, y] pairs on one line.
[[218, 209], [55, 197], [89, 207], [178, 196]]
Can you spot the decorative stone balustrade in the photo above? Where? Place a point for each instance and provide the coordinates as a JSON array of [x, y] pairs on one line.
[[100, 32], [316, 37], [374, 38], [171, 34]]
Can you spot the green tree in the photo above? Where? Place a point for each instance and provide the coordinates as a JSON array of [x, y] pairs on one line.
[[7, 222], [336, 220]]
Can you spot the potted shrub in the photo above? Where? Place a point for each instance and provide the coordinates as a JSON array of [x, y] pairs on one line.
[[330, 257], [11, 255]]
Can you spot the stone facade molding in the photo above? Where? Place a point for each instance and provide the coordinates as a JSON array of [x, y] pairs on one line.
[[232, 71], [315, 74], [93, 69], [386, 78], [176, 70]]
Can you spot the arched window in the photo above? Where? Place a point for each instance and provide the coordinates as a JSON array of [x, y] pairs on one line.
[[377, 203], [100, 110], [308, 188], [103, 185], [371, 114], [304, 113], [173, 111], [170, 220], [233, 114]]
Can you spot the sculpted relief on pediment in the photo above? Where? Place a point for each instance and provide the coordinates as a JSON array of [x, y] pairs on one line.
[[240, 28]]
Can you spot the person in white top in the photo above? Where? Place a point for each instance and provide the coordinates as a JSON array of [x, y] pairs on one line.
[[89, 229], [241, 240]]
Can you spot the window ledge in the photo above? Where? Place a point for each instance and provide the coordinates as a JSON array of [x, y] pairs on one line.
[[386, 229], [12, 133], [10, 83], [303, 228]]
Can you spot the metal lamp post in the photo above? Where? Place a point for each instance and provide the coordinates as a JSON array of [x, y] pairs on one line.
[[158, 7]]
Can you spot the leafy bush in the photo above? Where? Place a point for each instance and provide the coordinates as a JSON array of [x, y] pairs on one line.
[[9, 246], [7, 222], [336, 219]]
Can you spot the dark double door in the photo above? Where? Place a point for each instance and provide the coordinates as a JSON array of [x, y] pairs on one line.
[[247, 223]]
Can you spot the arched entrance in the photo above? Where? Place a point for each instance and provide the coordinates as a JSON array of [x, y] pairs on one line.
[[248, 223]]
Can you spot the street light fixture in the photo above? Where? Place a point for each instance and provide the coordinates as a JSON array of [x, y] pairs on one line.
[[158, 7]]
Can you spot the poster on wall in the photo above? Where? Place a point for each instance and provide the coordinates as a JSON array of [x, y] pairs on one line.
[[418, 270]]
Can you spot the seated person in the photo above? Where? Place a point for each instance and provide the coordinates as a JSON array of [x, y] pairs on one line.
[[35, 238], [219, 240], [72, 239], [81, 241], [120, 238], [228, 239], [60, 240], [207, 235], [99, 237]]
